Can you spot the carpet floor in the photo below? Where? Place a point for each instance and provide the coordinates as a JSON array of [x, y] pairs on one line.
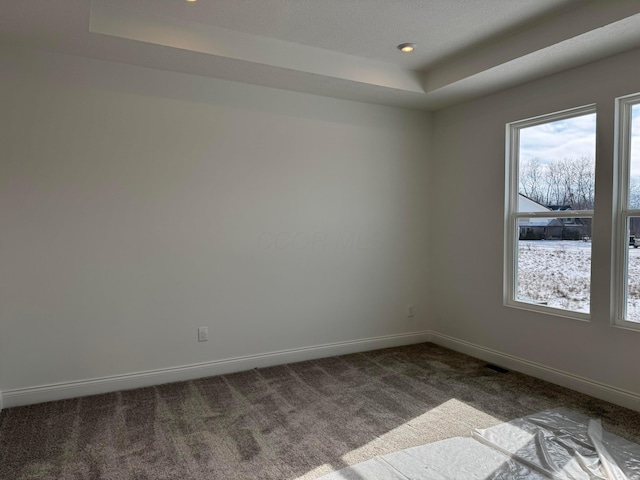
[[296, 421]]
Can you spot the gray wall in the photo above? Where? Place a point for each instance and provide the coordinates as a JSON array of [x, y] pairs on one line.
[[466, 250], [137, 205]]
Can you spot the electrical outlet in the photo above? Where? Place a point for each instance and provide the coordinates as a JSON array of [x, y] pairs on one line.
[[410, 310], [203, 334]]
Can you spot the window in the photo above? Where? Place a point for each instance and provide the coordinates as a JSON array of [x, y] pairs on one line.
[[627, 241], [550, 195]]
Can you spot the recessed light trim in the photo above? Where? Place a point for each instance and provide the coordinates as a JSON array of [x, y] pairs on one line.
[[407, 47]]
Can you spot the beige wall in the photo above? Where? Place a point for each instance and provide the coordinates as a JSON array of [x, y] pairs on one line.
[[467, 258], [138, 205]]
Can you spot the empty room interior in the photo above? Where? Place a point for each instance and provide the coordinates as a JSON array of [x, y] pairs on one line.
[[296, 239]]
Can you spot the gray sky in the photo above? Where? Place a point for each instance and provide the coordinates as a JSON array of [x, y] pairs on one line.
[[573, 138], [570, 138], [635, 141]]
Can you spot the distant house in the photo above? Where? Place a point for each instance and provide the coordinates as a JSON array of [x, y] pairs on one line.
[[549, 228], [573, 228]]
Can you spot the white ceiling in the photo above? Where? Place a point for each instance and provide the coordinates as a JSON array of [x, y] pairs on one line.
[[340, 48]]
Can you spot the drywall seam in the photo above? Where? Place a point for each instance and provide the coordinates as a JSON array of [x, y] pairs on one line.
[[59, 391], [595, 389]]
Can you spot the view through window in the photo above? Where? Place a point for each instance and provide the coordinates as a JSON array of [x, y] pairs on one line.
[[552, 167], [631, 189]]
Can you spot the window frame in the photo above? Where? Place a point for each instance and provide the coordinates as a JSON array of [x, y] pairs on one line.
[[512, 216], [622, 212]]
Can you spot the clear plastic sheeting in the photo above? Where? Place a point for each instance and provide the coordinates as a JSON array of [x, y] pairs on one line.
[[374, 469], [556, 444], [565, 445], [609, 465], [456, 458]]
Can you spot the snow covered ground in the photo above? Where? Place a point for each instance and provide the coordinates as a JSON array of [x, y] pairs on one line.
[[558, 274]]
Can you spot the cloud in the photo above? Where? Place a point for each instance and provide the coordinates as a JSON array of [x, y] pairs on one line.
[[569, 138], [635, 141], [573, 138]]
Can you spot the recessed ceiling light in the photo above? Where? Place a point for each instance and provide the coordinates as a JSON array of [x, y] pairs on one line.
[[191, 1], [407, 47]]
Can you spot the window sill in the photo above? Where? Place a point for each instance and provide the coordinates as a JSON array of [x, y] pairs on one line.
[[545, 310]]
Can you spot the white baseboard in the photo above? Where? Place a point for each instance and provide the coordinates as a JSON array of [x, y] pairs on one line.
[[599, 390], [59, 391]]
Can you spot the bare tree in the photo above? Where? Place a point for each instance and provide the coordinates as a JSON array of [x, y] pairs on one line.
[[634, 202], [531, 178], [585, 183], [555, 175], [569, 182]]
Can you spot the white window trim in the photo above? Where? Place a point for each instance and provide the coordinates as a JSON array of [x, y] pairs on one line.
[[511, 214], [622, 212]]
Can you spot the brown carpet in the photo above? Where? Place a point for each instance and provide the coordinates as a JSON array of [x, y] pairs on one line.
[[293, 421]]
